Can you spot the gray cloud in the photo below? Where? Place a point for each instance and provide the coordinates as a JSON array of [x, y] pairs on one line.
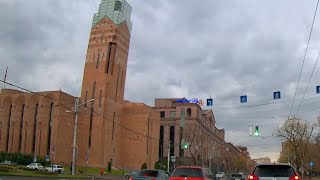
[[189, 49]]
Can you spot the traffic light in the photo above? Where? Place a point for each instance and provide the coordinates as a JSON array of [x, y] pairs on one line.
[[185, 146], [257, 132]]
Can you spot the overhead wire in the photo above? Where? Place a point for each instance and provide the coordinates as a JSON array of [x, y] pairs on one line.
[[314, 67], [304, 57]]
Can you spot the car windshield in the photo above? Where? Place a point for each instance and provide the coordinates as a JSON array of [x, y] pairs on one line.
[[187, 172], [274, 171], [149, 173]]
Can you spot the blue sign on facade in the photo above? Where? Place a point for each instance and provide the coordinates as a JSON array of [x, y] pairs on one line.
[[209, 102], [47, 158], [318, 89], [277, 95], [243, 99], [311, 164]]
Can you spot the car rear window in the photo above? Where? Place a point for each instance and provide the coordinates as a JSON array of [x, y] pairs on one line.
[[148, 173], [273, 171], [187, 172], [236, 175]]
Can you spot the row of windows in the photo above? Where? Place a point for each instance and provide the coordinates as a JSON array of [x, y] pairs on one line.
[[173, 113], [10, 131], [171, 140]]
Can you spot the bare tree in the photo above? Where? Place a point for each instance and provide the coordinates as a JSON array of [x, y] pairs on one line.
[[192, 137], [297, 134]]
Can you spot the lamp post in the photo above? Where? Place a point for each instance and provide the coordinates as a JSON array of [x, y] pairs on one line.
[[76, 112]]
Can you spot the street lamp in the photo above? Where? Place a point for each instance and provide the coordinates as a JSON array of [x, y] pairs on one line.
[[75, 110]]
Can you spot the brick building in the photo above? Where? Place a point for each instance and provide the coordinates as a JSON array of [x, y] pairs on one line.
[[186, 123], [108, 127]]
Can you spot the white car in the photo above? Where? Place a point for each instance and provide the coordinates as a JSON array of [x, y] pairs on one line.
[[55, 168], [35, 166], [220, 175]]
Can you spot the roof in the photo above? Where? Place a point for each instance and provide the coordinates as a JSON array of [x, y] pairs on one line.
[[273, 164], [194, 167]]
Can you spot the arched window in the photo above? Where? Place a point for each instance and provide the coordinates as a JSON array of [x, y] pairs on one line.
[[50, 128], [161, 142], [189, 112], [172, 133]]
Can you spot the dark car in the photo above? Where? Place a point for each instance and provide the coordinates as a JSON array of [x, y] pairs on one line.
[[236, 176], [276, 171], [192, 173], [149, 174]]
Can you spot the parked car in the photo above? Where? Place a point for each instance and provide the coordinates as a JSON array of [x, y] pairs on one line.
[[279, 171], [35, 166], [236, 176], [192, 172], [55, 168], [220, 175], [8, 163], [148, 174], [133, 173]]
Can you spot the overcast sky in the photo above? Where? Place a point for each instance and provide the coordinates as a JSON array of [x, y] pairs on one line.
[[221, 49]]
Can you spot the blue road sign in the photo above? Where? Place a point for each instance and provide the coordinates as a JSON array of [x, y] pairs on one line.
[[243, 99], [311, 164], [318, 89], [209, 102], [47, 158], [277, 95]]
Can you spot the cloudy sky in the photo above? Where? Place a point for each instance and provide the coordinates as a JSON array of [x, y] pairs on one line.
[[221, 49]]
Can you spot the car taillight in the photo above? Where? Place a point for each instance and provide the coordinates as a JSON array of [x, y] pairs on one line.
[[130, 178], [253, 177], [295, 177]]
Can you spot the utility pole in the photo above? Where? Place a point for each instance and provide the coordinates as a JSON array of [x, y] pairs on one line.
[[74, 146], [76, 111]]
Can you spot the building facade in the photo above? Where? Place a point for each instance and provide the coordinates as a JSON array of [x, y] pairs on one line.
[[108, 125], [186, 124]]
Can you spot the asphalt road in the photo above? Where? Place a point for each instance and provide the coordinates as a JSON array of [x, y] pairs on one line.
[[44, 178]]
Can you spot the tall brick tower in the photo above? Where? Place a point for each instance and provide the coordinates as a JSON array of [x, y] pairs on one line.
[[104, 81]]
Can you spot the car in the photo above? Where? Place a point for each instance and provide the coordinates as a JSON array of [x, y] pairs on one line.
[[220, 175], [278, 171], [55, 168], [191, 172], [133, 173], [8, 163], [236, 176], [34, 166], [148, 174]]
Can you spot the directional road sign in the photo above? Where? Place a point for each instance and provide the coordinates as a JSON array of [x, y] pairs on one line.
[[277, 95], [243, 99], [318, 89], [209, 102]]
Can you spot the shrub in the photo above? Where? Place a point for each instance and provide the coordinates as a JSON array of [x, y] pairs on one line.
[[144, 166], [2, 169]]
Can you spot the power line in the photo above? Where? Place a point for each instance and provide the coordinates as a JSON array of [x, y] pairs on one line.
[[304, 57], [314, 67], [65, 105]]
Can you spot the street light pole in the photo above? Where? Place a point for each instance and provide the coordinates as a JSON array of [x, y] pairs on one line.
[[76, 108], [168, 157]]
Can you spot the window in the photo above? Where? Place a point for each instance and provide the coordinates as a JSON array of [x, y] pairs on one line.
[[100, 98], [93, 90], [172, 133], [50, 128], [90, 127], [85, 99], [108, 58], [118, 6], [98, 59], [35, 128], [161, 142], [189, 112], [172, 114], [162, 114], [8, 128], [21, 127]]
